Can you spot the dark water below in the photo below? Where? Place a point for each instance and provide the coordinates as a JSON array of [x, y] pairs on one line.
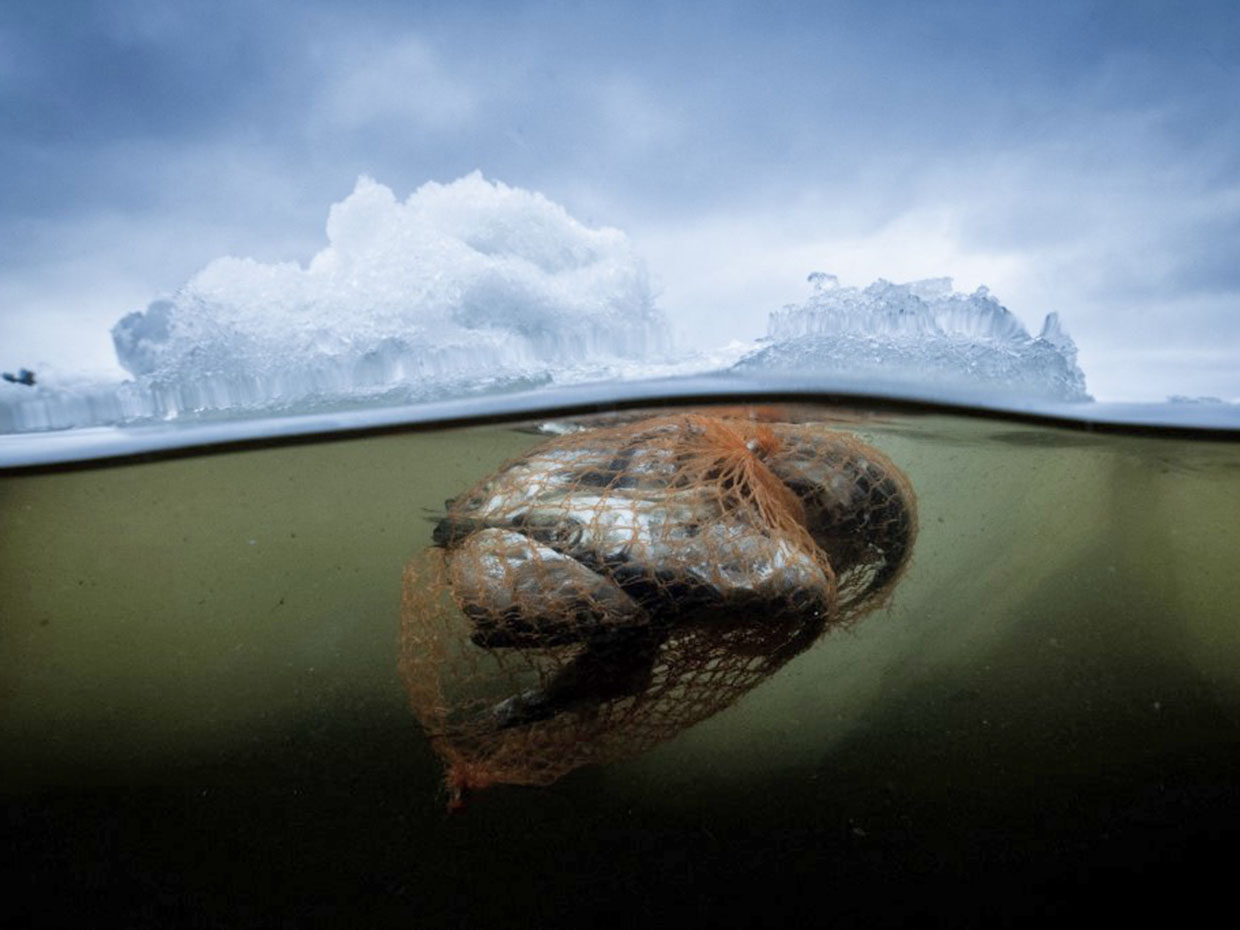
[[202, 721]]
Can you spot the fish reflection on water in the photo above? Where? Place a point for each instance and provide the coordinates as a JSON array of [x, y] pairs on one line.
[[613, 587]]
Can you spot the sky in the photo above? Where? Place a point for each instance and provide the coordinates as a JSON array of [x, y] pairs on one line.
[[1074, 157]]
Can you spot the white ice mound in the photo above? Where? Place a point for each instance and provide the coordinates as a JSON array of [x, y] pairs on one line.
[[922, 334], [471, 281], [475, 287]]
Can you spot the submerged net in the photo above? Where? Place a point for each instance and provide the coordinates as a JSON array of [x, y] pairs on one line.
[[613, 587]]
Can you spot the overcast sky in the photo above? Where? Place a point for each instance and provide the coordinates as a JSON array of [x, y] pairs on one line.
[[1079, 157]]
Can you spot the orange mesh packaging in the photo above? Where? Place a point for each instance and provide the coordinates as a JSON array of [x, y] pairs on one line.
[[614, 586]]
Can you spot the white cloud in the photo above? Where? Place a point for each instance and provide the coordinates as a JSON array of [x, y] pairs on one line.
[[634, 120], [403, 83]]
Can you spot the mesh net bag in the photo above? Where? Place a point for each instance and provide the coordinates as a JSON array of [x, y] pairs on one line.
[[613, 587]]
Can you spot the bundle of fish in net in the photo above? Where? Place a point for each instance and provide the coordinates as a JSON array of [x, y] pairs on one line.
[[613, 587]]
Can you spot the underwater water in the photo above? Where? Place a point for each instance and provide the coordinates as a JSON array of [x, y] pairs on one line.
[[202, 719]]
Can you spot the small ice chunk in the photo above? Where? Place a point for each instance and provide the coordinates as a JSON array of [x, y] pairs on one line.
[[1204, 399], [921, 333]]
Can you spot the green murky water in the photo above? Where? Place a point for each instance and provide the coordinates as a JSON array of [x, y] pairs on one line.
[[201, 719]]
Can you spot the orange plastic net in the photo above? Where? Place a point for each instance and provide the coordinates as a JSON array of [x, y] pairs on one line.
[[613, 587]]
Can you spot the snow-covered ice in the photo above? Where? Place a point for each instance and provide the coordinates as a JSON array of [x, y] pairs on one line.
[[460, 277], [475, 287]]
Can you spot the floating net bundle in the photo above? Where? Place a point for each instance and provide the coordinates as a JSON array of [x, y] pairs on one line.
[[613, 587]]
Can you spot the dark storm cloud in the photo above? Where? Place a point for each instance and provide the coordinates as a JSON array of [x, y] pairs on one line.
[[91, 77], [748, 86], [749, 89]]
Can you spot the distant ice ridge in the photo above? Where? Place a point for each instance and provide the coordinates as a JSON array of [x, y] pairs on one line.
[[920, 333]]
